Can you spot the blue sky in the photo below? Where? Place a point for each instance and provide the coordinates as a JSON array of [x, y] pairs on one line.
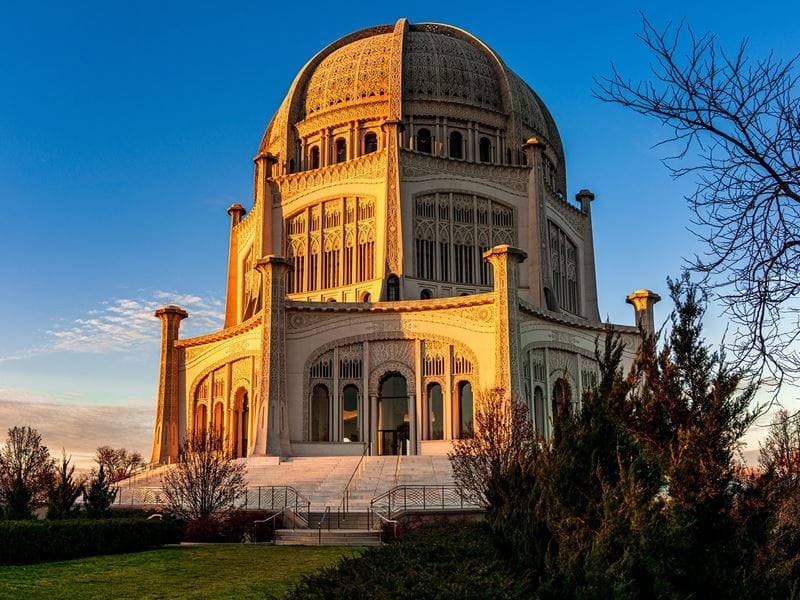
[[126, 130]]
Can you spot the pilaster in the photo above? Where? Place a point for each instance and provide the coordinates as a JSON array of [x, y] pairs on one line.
[[538, 265], [272, 434], [394, 241], [166, 439], [505, 262]]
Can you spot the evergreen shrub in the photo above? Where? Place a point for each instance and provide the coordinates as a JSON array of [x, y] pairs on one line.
[[40, 541]]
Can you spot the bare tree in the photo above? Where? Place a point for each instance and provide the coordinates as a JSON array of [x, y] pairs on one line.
[[118, 462], [206, 481], [26, 471], [502, 435], [734, 125]]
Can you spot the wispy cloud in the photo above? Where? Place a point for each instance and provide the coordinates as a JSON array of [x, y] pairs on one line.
[[123, 324], [78, 428]]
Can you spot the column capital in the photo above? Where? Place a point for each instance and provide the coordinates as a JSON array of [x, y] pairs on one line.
[[643, 301], [534, 143], [498, 252], [236, 212], [272, 261], [171, 311]]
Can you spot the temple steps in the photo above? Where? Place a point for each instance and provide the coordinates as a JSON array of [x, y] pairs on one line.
[[321, 479], [323, 537]]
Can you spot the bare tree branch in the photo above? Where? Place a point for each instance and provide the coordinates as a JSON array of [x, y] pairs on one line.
[[734, 122]]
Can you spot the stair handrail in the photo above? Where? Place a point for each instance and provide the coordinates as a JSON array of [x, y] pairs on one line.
[[325, 517], [344, 504], [261, 521], [383, 520]]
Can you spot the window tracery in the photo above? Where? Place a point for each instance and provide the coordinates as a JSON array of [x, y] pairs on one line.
[[564, 267], [331, 244], [452, 231]]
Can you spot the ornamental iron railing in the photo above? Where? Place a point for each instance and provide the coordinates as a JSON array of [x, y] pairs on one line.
[[263, 497], [421, 497]]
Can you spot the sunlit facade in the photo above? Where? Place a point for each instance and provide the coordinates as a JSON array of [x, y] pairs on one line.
[[410, 245]]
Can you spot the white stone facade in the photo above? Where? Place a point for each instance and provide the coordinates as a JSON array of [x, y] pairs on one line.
[[410, 245]]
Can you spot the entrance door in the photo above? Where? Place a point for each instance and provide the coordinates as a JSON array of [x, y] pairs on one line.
[[393, 421]]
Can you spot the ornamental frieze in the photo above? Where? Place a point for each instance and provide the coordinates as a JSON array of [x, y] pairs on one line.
[[415, 164]]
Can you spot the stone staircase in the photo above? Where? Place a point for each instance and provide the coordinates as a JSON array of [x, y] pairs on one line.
[[324, 537], [323, 481]]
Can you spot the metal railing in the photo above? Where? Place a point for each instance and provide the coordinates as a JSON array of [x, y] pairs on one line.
[[344, 505], [273, 519], [263, 497], [383, 521], [326, 517], [420, 497]]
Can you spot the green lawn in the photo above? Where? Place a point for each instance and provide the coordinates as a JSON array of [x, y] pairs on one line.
[[206, 571]]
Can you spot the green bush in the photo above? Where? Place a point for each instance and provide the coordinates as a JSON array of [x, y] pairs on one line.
[[39, 541], [452, 560]]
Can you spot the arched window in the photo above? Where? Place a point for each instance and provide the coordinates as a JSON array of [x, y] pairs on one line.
[[425, 294], [435, 414], [393, 288], [365, 297], [313, 158], [370, 143], [538, 409], [562, 397], [465, 414], [218, 421], [393, 420], [456, 145], [424, 141], [245, 438], [350, 414], [485, 150], [200, 419], [341, 150], [564, 266], [319, 414]]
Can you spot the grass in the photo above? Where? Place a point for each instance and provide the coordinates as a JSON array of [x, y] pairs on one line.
[[204, 571]]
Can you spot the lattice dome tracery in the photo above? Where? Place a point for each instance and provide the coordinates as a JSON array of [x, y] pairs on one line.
[[356, 72]]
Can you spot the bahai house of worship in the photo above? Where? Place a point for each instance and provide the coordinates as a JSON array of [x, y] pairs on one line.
[[410, 245]]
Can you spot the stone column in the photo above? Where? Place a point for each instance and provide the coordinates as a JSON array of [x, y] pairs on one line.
[[166, 435], [538, 266], [394, 242], [643, 301], [236, 212], [272, 435], [589, 288], [505, 260]]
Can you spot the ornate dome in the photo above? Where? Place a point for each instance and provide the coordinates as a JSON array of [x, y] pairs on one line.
[[382, 72]]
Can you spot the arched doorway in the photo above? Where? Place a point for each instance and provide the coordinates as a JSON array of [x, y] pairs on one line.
[[393, 416]]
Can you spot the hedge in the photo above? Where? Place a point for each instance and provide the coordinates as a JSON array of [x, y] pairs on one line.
[[454, 560], [38, 541]]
